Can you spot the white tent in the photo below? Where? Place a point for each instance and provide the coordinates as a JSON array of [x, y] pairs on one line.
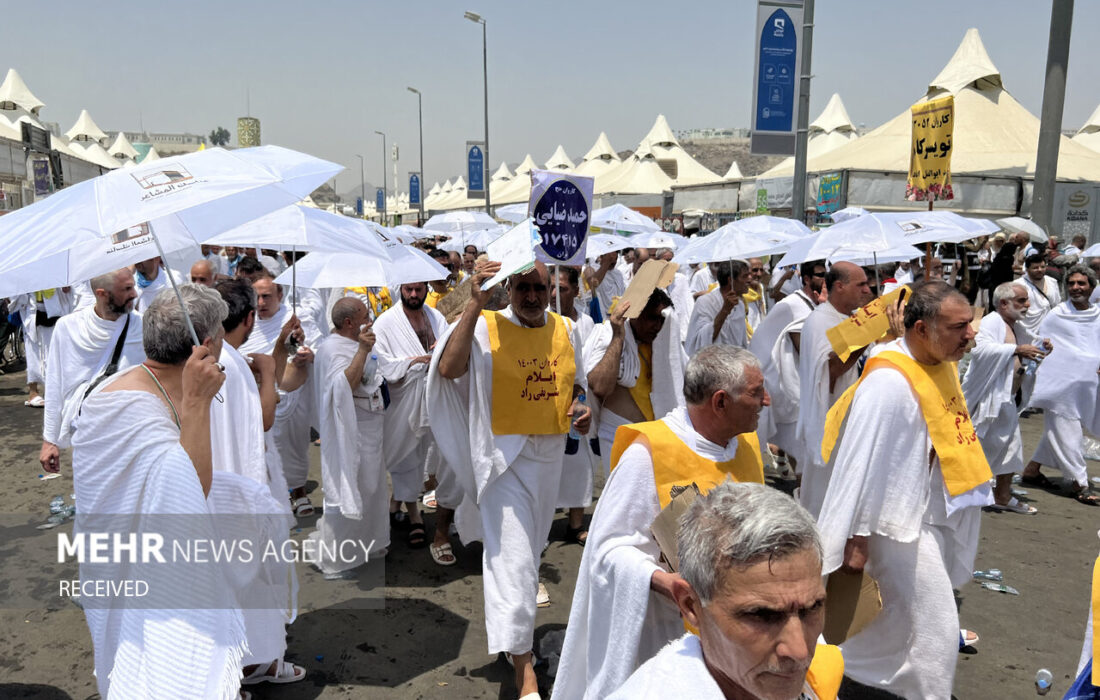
[[10, 120], [439, 196], [151, 155], [519, 189], [85, 129], [638, 174], [14, 93], [560, 161], [456, 198], [672, 158], [994, 134], [1089, 134], [734, 173], [499, 181], [832, 129], [600, 160], [432, 195], [92, 152], [121, 148]]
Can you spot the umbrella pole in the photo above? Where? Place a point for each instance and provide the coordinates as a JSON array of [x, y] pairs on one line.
[[175, 287], [878, 282], [928, 253], [294, 280]]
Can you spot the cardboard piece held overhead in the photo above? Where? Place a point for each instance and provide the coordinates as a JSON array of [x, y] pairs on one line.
[[852, 601], [666, 526], [653, 274]]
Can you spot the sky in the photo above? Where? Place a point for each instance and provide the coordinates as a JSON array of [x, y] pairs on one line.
[[323, 76]]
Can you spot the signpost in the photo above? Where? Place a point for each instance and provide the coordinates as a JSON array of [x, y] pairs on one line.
[[475, 169], [776, 85]]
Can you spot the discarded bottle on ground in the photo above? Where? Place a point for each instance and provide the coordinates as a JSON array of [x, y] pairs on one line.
[[989, 575], [1000, 588], [1044, 679]]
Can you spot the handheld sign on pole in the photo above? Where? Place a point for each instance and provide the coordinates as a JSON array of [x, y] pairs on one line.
[[414, 188], [930, 151], [560, 205], [514, 250], [380, 199], [776, 85], [475, 169]]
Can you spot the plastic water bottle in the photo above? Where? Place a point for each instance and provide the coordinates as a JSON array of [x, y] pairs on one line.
[[573, 440], [573, 433], [1000, 588], [1030, 367], [989, 575], [370, 368], [1044, 679]]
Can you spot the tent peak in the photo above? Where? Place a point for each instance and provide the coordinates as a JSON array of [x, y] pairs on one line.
[[85, 129], [661, 134], [15, 91], [601, 149], [121, 148], [502, 173], [969, 67], [833, 118], [1093, 124], [734, 173], [560, 161], [525, 167]]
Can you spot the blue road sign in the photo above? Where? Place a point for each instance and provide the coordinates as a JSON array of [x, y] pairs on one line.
[[414, 188], [380, 199], [359, 206], [475, 168]]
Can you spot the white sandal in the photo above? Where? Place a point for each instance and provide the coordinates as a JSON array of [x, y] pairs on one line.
[[285, 672], [302, 507]]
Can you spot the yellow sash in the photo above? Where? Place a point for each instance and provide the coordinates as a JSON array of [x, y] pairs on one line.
[[962, 460], [826, 672], [676, 464], [378, 302], [644, 385], [750, 297], [533, 373], [1095, 620], [44, 295]]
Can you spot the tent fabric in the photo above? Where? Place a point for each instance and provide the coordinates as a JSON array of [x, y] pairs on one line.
[[638, 174], [662, 143], [660, 134], [85, 128], [10, 120], [734, 173], [439, 196], [519, 188], [601, 150], [92, 152], [499, 182], [600, 160], [14, 90], [560, 160], [151, 155], [994, 134], [832, 129], [456, 198], [122, 148], [502, 174], [1089, 134]]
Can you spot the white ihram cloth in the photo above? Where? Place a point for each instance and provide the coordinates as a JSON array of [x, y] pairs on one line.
[[81, 349], [988, 386], [352, 473], [667, 390], [406, 419], [922, 540], [772, 345], [508, 486], [701, 327], [683, 303], [1066, 388], [613, 285], [295, 412], [817, 399], [36, 339], [1041, 301], [616, 622], [127, 459], [238, 447], [575, 486], [146, 295], [701, 280]]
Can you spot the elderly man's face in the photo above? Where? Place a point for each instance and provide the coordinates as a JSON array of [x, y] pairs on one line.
[[1018, 304], [529, 295], [231, 252], [756, 270], [742, 411], [1077, 288], [760, 630], [268, 298], [202, 274], [950, 332], [121, 295]]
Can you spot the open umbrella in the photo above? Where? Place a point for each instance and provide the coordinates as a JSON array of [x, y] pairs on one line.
[[847, 213], [621, 219], [304, 228], [1016, 224], [603, 243], [659, 239], [861, 237], [457, 222], [404, 265], [746, 238], [513, 213]]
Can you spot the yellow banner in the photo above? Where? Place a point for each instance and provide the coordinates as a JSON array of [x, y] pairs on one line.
[[865, 326], [930, 152]]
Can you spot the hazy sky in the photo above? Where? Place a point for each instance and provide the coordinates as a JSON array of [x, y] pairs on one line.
[[324, 76]]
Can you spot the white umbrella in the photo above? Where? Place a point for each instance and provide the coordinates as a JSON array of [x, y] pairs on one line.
[[334, 270], [603, 243], [459, 222], [1091, 252], [514, 213], [621, 219], [660, 239], [305, 228], [417, 233], [847, 213], [746, 238], [931, 226], [902, 253], [480, 239], [861, 237], [1016, 224]]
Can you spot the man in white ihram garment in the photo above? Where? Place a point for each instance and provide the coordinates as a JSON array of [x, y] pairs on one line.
[[904, 502], [750, 561], [635, 368], [82, 350], [348, 393], [39, 312], [1066, 388], [822, 377], [719, 315], [1042, 292], [406, 334], [623, 610], [502, 394], [152, 278], [141, 453], [990, 384], [295, 414], [237, 427], [605, 281], [776, 344]]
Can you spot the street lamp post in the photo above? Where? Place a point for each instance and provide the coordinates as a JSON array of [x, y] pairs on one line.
[[474, 17], [383, 176], [420, 114], [362, 186]]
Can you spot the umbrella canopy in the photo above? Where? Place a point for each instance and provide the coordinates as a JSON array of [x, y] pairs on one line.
[[417, 233], [204, 193], [603, 243], [659, 239], [621, 219], [303, 228], [746, 238], [861, 237], [1017, 224], [847, 213], [479, 239], [459, 221], [334, 270], [1091, 252], [514, 213], [930, 226]]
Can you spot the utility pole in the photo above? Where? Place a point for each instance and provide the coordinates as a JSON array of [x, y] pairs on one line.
[[1050, 126], [798, 186]]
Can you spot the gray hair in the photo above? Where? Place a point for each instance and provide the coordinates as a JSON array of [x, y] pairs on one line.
[[106, 280], [210, 270], [344, 309], [1083, 270], [716, 368], [737, 525], [927, 299], [1005, 291], [164, 329]]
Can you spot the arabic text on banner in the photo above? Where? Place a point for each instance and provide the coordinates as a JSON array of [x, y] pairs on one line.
[[930, 150], [560, 205], [865, 326]]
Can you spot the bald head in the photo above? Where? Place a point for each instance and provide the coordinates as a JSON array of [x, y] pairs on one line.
[[114, 293], [848, 287], [348, 313], [203, 272], [108, 279]]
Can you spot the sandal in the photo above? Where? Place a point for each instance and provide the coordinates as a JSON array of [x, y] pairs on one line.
[[1087, 496], [967, 638], [1014, 506], [542, 598], [302, 507], [417, 537], [578, 535], [1039, 479], [429, 500], [440, 552], [285, 672], [36, 402]]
